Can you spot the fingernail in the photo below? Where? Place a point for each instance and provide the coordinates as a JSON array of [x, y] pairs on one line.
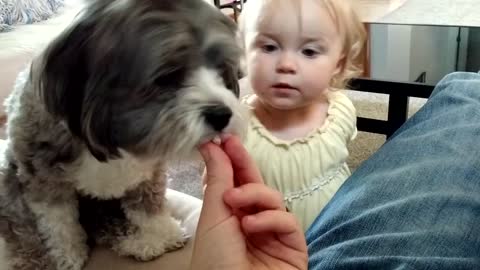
[[225, 136], [250, 219]]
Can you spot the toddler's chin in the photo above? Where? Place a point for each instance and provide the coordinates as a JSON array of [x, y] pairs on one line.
[[286, 104]]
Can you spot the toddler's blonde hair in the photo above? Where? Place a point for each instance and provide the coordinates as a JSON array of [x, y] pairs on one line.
[[343, 15]]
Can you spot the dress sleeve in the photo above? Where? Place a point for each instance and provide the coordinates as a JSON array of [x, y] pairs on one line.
[[347, 115]]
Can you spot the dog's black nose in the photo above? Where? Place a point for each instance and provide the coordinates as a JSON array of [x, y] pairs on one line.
[[217, 116]]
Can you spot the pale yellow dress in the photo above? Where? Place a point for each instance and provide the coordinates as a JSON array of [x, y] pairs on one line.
[[308, 171]]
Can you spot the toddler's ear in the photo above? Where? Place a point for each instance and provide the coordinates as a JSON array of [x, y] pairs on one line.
[[340, 65]]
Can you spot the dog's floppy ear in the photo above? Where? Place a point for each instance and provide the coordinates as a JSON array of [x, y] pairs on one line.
[[64, 75], [232, 73], [65, 85]]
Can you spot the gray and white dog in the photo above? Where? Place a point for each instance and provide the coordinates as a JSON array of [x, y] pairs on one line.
[[131, 85]]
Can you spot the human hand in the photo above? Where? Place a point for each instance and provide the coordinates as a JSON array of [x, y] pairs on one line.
[[243, 223]]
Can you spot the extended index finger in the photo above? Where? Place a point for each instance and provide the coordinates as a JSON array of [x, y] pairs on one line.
[[219, 178], [244, 168]]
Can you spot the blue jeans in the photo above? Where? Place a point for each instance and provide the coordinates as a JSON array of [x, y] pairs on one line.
[[415, 204]]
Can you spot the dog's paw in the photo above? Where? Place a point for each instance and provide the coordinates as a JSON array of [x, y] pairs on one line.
[[152, 239]]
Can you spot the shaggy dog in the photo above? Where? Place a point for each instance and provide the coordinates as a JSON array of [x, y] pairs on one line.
[[130, 85]]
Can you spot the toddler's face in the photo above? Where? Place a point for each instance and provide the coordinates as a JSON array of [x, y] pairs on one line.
[[292, 57]]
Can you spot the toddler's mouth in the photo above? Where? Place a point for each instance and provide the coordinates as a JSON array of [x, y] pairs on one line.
[[284, 85]]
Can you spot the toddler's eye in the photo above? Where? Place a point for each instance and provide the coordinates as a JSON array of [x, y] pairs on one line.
[[309, 52], [268, 48]]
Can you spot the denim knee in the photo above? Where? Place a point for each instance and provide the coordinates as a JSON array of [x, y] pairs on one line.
[[458, 82]]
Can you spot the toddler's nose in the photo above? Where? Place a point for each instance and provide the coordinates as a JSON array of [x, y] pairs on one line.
[[286, 64]]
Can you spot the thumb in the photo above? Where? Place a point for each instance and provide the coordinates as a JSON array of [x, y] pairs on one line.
[[219, 178]]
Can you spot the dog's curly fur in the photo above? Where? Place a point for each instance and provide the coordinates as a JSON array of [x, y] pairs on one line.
[[131, 85]]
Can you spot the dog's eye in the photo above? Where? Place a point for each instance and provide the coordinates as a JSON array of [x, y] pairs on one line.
[[219, 64], [214, 57], [171, 79], [230, 78]]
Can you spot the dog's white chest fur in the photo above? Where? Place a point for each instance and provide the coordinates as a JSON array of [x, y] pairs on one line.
[[112, 179]]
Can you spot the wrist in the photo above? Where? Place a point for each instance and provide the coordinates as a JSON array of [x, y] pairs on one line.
[[213, 254]]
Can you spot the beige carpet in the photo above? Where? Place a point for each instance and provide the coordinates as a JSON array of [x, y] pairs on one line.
[[3, 257], [374, 106]]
